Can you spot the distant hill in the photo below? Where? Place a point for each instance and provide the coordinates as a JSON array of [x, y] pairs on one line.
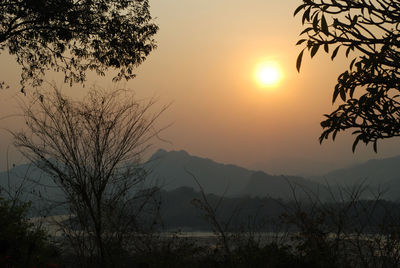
[[378, 174], [172, 170], [31, 180], [29, 184], [261, 184], [296, 166]]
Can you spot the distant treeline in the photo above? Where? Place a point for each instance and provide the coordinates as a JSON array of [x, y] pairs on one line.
[[177, 210]]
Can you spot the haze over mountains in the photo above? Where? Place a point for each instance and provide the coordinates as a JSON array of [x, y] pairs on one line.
[[175, 169], [296, 166], [381, 175]]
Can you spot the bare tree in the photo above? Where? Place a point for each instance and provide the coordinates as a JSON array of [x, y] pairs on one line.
[[93, 149]]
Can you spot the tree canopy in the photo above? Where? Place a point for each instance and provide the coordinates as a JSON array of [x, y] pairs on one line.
[[368, 31], [74, 36]]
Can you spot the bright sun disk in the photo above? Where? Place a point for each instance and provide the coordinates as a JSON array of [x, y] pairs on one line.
[[268, 74]]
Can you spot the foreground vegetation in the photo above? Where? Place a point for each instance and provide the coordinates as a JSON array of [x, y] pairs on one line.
[[307, 233]]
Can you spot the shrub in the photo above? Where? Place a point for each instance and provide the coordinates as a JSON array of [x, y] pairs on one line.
[[21, 243]]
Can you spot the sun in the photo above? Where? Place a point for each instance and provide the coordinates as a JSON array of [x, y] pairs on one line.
[[268, 74]]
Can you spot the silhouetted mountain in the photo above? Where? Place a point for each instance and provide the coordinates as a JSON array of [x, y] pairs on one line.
[[296, 166], [261, 184], [30, 179], [377, 174], [29, 184], [174, 169]]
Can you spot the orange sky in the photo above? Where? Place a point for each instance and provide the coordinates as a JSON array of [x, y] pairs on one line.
[[204, 65]]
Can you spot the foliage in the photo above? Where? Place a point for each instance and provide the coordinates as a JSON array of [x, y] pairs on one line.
[[21, 243], [179, 251], [92, 150], [369, 30], [73, 37], [347, 231]]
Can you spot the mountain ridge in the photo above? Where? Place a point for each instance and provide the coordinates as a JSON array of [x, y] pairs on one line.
[[170, 170]]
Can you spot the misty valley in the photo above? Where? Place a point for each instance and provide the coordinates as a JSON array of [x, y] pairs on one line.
[[203, 205]]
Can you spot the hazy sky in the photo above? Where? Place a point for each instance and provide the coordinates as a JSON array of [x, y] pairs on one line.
[[205, 61]]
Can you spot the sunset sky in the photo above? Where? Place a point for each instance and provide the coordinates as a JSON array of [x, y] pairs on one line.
[[205, 64]]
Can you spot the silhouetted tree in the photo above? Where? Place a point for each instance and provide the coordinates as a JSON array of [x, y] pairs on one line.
[[73, 37], [92, 149], [369, 30]]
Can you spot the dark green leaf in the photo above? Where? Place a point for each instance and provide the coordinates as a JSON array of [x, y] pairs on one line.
[[324, 25], [326, 47], [351, 91], [342, 94], [300, 41], [299, 59], [353, 148], [354, 21], [334, 53], [298, 9], [347, 51], [334, 134], [315, 23], [352, 63], [335, 93], [324, 124], [314, 50], [306, 15], [306, 30]]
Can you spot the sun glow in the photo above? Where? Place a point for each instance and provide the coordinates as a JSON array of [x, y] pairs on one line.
[[268, 74]]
